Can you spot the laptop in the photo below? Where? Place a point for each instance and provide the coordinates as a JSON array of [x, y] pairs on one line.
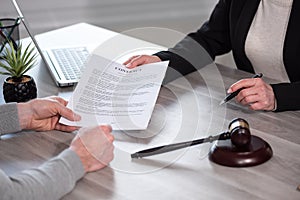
[[65, 63]]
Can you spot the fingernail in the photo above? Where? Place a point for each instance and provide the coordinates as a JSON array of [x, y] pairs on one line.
[[229, 90], [128, 65], [106, 128], [77, 117]]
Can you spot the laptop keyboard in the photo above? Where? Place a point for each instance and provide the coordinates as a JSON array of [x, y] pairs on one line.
[[71, 61]]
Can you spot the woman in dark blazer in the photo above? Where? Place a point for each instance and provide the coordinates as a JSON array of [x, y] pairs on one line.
[[227, 30]]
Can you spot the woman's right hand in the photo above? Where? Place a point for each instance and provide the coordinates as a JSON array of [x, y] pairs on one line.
[[138, 60]]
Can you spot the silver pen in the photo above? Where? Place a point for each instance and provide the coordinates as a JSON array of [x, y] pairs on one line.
[[234, 94]]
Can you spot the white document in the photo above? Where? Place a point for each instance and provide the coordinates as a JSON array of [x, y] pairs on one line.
[[110, 93]]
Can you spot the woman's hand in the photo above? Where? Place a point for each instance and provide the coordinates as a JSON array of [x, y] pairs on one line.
[[138, 60], [256, 94]]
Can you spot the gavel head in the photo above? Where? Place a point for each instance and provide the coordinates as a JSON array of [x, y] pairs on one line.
[[240, 132]]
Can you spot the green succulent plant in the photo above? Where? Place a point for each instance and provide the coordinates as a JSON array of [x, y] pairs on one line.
[[16, 63]]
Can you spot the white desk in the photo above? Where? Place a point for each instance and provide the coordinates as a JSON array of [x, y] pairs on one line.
[[186, 108], [81, 34]]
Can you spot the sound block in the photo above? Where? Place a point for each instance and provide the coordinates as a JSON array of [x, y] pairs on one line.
[[223, 152]]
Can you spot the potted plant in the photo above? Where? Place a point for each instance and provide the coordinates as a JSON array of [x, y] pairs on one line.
[[18, 87]]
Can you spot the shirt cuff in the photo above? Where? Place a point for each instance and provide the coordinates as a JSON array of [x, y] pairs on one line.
[[9, 118], [74, 163]]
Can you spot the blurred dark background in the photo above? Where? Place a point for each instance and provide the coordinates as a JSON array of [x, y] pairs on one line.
[[117, 15]]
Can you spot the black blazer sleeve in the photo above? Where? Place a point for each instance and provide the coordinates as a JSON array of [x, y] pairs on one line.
[[199, 48], [287, 96], [226, 30]]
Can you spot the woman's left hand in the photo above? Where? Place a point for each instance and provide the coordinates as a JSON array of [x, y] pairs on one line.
[[257, 94]]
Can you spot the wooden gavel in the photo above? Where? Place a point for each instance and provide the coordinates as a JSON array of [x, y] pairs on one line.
[[238, 132]]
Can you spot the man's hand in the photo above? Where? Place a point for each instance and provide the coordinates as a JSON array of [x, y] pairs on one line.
[[256, 94], [138, 60], [94, 146], [44, 114]]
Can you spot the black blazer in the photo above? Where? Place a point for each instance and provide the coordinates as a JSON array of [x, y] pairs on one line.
[[225, 31]]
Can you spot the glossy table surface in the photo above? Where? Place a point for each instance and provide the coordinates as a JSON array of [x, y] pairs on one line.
[[187, 108]]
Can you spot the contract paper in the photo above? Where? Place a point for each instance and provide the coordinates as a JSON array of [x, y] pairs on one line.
[[110, 93]]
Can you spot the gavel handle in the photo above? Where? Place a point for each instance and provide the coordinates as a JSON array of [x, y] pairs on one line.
[[176, 146]]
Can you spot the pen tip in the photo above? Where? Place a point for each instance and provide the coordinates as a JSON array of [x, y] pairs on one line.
[[222, 102], [134, 155]]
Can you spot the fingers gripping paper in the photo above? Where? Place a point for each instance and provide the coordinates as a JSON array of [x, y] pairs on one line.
[[110, 93]]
